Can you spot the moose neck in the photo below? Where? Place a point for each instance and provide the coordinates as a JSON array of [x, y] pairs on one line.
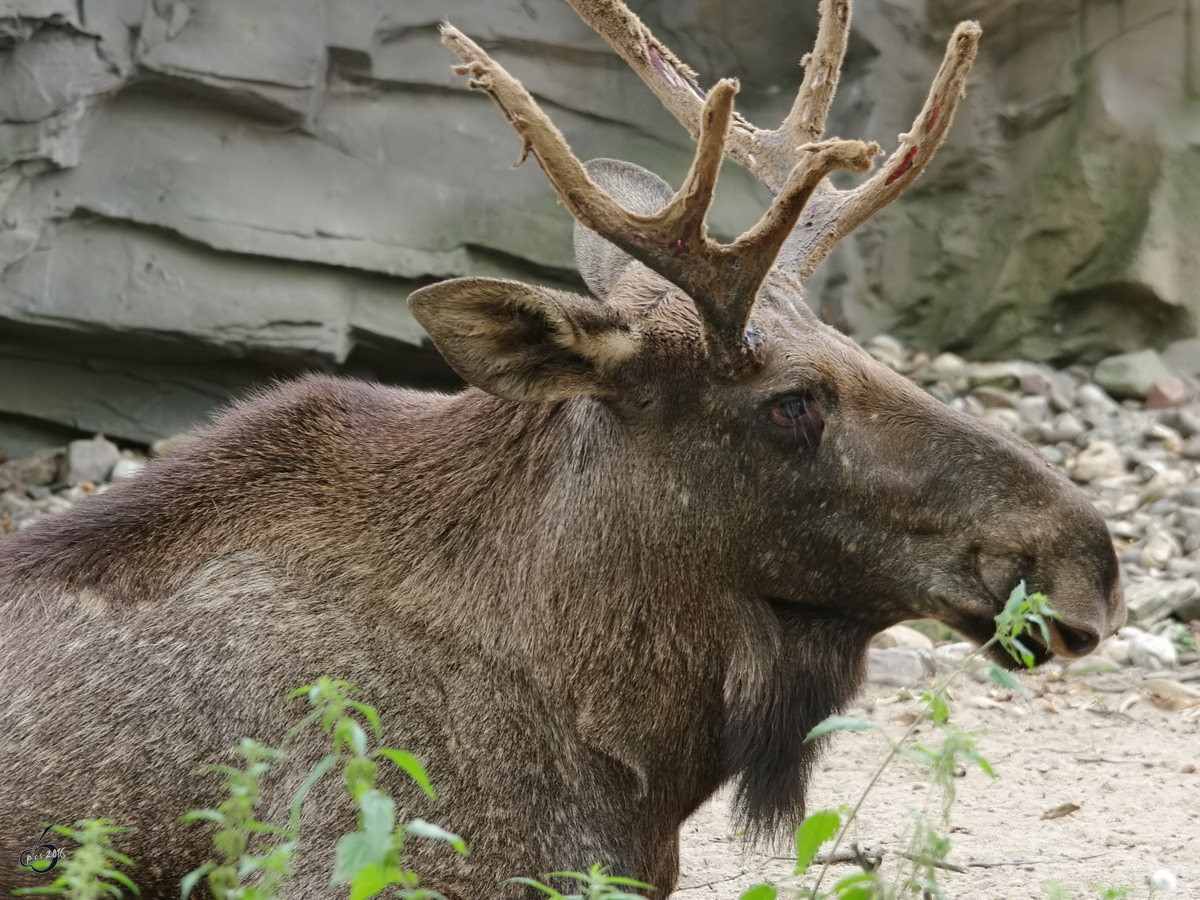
[[604, 573]]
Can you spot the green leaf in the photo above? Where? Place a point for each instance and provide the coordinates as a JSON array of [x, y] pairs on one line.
[[203, 815], [192, 878], [628, 882], [378, 812], [123, 879], [759, 892], [530, 882], [1005, 679], [372, 879], [369, 711], [313, 777], [938, 711], [859, 886], [423, 829], [812, 833], [354, 736], [358, 850], [411, 765], [838, 723]]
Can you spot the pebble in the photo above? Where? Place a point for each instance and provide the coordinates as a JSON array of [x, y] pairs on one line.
[[1152, 652], [1101, 459], [902, 636], [898, 667], [90, 460]]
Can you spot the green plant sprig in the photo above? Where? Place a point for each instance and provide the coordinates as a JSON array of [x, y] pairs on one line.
[[1021, 611]]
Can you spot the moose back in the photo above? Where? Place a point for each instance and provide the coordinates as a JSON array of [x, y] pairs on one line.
[[639, 558]]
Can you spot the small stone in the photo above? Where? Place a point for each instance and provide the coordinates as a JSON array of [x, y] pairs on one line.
[[1064, 427], [897, 667], [998, 374], [1092, 665], [1101, 459], [1036, 383], [994, 397], [1187, 423], [1163, 880], [1152, 601], [943, 367], [1092, 395], [1053, 454], [1189, 610], [1164, 484], [1191, 447], [1160, 547], [1033, 410], [1114, 649], [169, 445], [1130, 374], [901, 636], [1167, 391], [1008, 419], [1152, 652], [886, 342], [1183, 357], [29, 471], [90, 460], [126, 468]]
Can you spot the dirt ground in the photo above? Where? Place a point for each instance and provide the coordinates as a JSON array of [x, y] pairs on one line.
[[1131, 767]]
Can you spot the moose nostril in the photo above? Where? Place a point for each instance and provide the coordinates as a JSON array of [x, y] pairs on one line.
[[1078, 641]]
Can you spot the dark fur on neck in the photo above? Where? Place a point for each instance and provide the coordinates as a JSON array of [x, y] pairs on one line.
[[819, 668]]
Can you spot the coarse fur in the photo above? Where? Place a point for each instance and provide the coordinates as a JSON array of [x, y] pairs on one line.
[[613, 575]]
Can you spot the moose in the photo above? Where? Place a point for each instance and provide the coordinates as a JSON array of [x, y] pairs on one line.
[[638, 558]]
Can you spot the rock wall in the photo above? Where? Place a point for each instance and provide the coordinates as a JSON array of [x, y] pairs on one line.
[[200, 196]]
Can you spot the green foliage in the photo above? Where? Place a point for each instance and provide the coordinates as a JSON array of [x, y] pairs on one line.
[[91, 870], [595, 884], [369, 859], [1022, 611], [942, 764], [812, 833], [237, 826]]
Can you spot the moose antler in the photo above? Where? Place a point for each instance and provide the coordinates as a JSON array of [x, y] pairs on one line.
[[770, 155], [723, 281]]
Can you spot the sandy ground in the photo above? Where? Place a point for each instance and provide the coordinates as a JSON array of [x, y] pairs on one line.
[[1081, 740]]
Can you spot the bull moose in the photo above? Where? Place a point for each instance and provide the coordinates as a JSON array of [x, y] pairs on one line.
[[638, 558]]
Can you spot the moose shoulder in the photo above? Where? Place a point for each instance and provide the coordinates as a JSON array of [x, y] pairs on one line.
[[641, 557]]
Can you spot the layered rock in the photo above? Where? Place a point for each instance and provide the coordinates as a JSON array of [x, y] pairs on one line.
[[200, 196]]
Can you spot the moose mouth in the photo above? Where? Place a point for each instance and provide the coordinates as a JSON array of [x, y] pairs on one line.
[[1065, 640]]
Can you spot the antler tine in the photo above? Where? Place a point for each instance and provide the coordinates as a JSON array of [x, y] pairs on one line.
[[770, 155], [846, 210], [822, 71], [723, 282]]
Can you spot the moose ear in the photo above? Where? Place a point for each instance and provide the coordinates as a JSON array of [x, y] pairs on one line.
[[639, 191], [523, 342]]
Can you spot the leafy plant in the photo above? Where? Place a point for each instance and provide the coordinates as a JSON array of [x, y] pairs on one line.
[[91, 870], [1023, 613], [595, 884], [369, 859]]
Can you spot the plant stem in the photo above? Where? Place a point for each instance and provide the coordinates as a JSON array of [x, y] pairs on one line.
[[936, 692]]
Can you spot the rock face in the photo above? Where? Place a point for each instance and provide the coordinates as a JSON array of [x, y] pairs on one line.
[[199, 196]]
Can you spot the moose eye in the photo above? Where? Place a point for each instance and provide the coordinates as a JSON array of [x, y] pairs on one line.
[[797, 417]]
